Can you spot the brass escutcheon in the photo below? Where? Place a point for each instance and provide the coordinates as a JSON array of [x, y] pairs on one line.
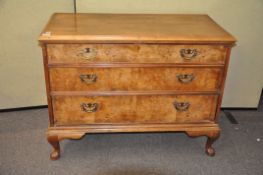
[[185, 78], [181, 106], [88, 78], [88, 54], [188, 54], [89, 107]]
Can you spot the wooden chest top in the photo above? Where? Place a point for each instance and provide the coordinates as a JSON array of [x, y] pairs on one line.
[[133, 28]]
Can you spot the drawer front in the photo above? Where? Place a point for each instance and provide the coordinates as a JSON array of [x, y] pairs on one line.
[[74, 110], [113, 79], [135, 53]]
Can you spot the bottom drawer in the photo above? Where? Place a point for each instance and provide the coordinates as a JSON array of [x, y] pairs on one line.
[[77, 110]]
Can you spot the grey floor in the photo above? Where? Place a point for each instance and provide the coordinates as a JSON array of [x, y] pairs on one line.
[[24, 150]]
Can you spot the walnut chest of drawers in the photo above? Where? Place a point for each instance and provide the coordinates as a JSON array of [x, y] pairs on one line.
[[134, 73]]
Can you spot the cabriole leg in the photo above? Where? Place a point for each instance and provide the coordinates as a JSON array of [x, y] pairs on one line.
[[54, 142], [54, 136], [211, 138]]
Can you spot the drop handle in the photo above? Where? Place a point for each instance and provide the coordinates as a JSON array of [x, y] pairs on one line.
[[185, 78], [88, 78], [181, 106], [87, 53], [188, 54], [89, 107]]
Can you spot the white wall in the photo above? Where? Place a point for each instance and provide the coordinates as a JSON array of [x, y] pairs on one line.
[[21, 68]]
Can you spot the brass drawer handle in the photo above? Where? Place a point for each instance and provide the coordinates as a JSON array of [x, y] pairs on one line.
[[88, 78], [188, 54], [88, 54], [181, 106], [89, 107], [185, 78]]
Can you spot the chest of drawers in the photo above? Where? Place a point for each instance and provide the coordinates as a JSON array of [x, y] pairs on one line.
[[134, 73]]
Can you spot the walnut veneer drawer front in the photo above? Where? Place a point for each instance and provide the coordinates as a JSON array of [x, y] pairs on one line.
[[135, 53], [134, 109], [113, 79]]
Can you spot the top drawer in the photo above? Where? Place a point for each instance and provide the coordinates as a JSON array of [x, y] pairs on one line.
[[135, 53]]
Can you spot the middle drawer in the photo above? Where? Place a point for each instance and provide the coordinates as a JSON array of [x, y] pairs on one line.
[[135, 79]]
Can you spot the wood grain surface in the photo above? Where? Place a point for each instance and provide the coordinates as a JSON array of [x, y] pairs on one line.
[[134, 109], [135, 53], [134, 73], [132, 79], [127, 28]]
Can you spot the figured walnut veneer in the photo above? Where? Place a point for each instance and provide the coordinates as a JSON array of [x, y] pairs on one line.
[[134, 109], [134, 73], [119, 79], [135, 53]]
